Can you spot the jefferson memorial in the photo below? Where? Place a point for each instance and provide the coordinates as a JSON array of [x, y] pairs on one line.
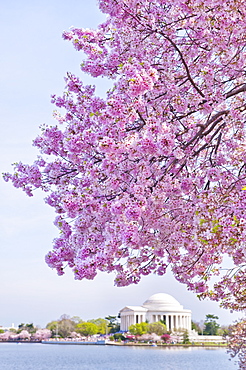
[[158, 307]]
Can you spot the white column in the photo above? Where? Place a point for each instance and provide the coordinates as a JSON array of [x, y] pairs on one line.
[[167, 322], [172, 323], [189, 322]]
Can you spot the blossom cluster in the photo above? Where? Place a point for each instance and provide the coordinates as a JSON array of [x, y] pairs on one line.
[[40, 334], [237, 342]]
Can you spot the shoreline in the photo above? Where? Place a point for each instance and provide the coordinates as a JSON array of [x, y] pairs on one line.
[[222, 345], [130, 344]]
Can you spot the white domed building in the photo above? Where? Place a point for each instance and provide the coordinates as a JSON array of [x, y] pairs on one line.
[[158, 307]]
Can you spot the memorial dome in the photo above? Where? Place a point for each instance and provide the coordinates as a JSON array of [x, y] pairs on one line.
[[159, 307], [162, 301]]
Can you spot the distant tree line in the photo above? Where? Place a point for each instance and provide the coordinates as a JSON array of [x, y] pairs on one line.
[[65, 326], [74, 327], [210, 326]]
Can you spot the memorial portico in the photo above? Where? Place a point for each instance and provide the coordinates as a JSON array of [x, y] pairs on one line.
[[158, 307]]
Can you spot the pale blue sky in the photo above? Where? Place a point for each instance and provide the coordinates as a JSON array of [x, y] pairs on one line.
[[34, 60]]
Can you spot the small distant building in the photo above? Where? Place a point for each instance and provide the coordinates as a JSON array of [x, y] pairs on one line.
[[7, 328], [158, 307]]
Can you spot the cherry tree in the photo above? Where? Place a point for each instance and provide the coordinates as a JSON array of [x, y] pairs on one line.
[[150, 336], [237, 342], [153, 175], [166, 338], [24, 334], [42, 334], [6, 335]]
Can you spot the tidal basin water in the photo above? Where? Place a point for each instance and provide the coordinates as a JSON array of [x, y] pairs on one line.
[[28, 356]]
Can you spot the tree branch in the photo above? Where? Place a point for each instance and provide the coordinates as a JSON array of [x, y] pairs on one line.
[[236, 91]]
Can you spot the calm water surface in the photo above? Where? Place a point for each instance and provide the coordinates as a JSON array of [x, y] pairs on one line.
[[28, 356]]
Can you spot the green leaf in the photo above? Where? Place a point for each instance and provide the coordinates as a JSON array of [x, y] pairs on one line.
[[215, 228], [203, 241]]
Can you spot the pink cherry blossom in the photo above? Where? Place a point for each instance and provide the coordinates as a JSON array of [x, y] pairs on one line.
[[153, 175]]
